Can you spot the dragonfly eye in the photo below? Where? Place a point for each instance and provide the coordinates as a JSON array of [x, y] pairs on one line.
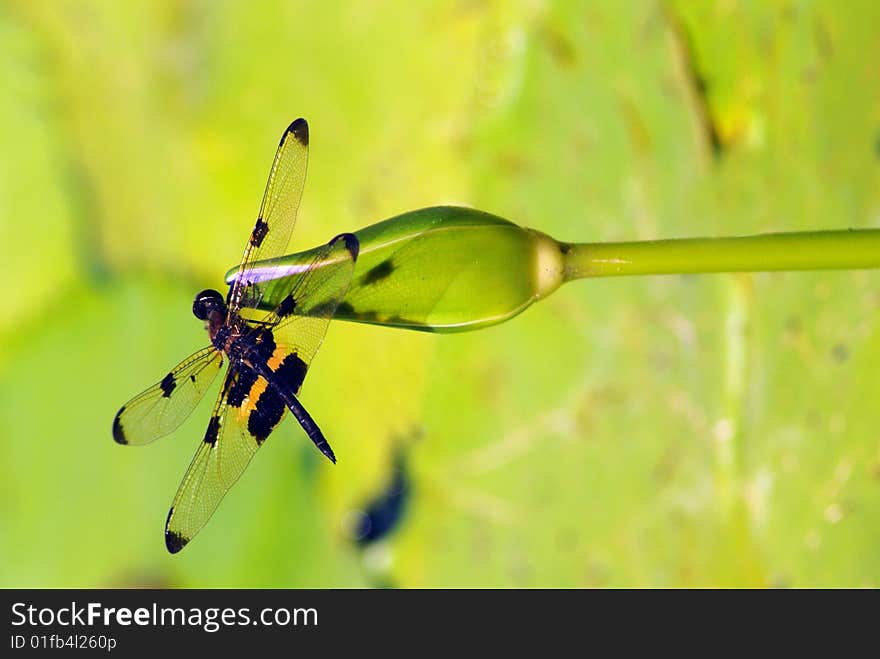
[[206, 302]]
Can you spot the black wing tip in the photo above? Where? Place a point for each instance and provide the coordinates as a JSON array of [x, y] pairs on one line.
[[352, 244], [174, 542], [300, 130], [118, 433]]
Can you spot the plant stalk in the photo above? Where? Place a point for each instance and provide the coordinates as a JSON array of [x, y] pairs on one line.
[[809, 250]]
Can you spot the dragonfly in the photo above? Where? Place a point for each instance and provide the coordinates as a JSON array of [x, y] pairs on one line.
[[268, 354]]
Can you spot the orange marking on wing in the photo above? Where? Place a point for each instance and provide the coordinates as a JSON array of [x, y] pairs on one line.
[[250, 401], [277, 357]]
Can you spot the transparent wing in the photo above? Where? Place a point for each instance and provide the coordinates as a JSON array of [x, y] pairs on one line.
[[246, 412], [163, 407], [248, 408], [271, 233], [299, 322]]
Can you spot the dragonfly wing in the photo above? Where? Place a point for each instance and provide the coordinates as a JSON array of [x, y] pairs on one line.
[[287, 339], [301, 319], [163, 407], [246, 411], [291, 335], [271, 233]]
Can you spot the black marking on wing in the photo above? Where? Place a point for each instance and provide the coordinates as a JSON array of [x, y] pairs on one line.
[[242, 383], [378, 273], [263, 344], [292, 371], [213, 430], [318, 289], [288, 304], [217, 464], [300, 130], [277, 214], [118, 434], [259, 232], [163, 407], [351, 244], [168, 384], [266, 414], [174, 542]]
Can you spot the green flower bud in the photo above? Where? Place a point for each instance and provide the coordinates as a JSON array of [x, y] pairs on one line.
[[440, 269]]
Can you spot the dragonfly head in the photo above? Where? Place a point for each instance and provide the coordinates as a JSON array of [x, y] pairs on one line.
[[207, 303]]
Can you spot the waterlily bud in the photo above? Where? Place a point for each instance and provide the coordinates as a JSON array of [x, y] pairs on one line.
[[439, 269]]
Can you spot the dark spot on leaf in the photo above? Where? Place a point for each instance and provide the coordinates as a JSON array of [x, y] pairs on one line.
[[344, 309], [840, 352], [326, 309], [559, 46], [381, 516], [378, 273], [823, 40], [707, 122], [514, 164]]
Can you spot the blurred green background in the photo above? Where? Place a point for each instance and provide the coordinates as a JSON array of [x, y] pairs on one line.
[[702, 430]]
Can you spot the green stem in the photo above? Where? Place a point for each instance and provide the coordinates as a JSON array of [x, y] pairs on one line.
[[453, 269], [809, 250]]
